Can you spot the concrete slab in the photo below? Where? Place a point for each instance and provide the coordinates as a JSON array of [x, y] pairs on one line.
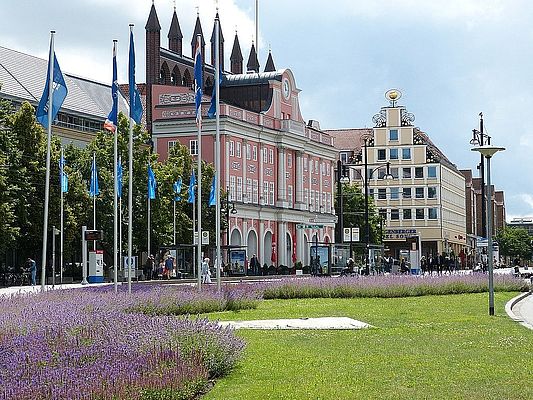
[[299, 323]]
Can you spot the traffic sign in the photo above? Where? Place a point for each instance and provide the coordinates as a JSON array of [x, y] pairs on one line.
[[351, 234], [308, 226]]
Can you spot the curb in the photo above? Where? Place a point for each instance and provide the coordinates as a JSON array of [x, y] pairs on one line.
[[509, 310]]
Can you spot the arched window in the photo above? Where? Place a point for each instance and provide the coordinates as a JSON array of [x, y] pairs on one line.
[[164, 74], [187, 80], [175, 78]]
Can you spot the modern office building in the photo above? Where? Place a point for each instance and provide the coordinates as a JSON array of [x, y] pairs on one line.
[[423, 197]]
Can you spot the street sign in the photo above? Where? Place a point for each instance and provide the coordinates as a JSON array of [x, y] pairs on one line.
[[350, 234], [94, 235], [308, 226], [205, 237]]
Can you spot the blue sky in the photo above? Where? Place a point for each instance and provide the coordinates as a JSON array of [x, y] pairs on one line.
[[451, 59]]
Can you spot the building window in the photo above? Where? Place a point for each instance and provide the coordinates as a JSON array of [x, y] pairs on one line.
[[419, 213], [432, 172], [394, 193], [265, 193], [432, 192], [238, 152], [419, 192], [271, 156], [254, 153], [381, 173], [248, 190], [239, 188], [371, 193], [327, 169], [231, 148], [306, 197], [232, 188], [394, 214], [289, 195], [382, 194], [432, 213], [289, 160], [265, 155], [305, 164], [193, 147], [406, 173], [256, 191], [248, 152], [407, 213], [393, 134], [394, 173], [311, 199], [170, 145], [344, 157], [393, 154], [406, 193], [271, 193], [316, 166], [382, 155], [419, 172], [406, 154]]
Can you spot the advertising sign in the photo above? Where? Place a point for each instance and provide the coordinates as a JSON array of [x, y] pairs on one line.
[[237, 260]]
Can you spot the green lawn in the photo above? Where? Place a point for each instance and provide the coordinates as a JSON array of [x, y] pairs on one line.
[[431, 347]]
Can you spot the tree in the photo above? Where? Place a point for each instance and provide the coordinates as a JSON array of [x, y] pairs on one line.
[[515, 242]]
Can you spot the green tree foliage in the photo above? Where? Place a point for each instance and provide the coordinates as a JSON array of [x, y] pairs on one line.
[[515, 242]]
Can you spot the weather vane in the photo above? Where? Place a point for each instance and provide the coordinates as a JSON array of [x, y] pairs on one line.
[[393, 95]]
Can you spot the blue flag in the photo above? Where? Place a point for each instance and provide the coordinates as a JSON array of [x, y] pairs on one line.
[[212, 112], [152, 184], [93, 191], [59, 93], [63, 178], [112, 119], [192, 182], [198, 80], [136, 108], [119, 178], [212, 194], [177, 190]]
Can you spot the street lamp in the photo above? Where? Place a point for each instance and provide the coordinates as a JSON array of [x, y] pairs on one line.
[[228, 208], [368, 176], [488, 152], [341, 179], [481, 139]]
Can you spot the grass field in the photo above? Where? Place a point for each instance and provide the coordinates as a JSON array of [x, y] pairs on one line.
[[430, 347]]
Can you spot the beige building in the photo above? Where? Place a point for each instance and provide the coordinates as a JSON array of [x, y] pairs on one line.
[[423, 195]]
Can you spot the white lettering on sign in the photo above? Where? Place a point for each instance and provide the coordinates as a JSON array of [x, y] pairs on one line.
[[177, 98]]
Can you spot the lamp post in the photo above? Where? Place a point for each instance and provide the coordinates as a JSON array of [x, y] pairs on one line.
[[227, 210], [341, 178], [487, 152], [368, 176]]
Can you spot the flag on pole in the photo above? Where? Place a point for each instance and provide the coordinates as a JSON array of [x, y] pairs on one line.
[[136, 108], [192, 182], [211, 113], [119, 178], [63, 178], [212, 194], [112, 119], [152, 184], [58, 94], [177, 190], [198, 80], [94, 191]]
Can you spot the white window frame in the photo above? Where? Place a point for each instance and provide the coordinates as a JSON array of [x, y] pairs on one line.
[[238, 150], [248, 151], [170, 145], [193, 147], [271, 156], [256, 191], [265, 192], [265, 155], [239, 188], [232, 187], [254, 152], [231, 148], [248, 190], [289, 160], [271, 185]]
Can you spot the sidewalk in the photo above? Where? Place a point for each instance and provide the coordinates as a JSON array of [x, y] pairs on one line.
[[520, 309], [8, 291]]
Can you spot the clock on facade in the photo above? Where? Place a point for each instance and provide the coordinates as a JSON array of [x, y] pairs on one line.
[[286, 88]]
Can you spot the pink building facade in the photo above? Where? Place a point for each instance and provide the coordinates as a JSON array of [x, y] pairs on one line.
[[277, 169]]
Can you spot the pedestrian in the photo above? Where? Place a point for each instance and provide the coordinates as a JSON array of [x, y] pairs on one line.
[[254, 265], [206, 274], [32, 266], [169, 266], [150, 267]]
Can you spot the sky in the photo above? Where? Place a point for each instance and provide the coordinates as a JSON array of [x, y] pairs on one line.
[[450, 59]]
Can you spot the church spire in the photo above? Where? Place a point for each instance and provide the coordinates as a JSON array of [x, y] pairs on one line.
[[269, 67], [175, 36], [236, 56], [152, 25], [253, 62], [198, 31]]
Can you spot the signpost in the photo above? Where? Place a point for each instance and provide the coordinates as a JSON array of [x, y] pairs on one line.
[[351, 234], [308, 226]]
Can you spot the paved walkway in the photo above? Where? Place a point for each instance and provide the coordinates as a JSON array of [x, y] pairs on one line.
[[37, 289], [521, 309]]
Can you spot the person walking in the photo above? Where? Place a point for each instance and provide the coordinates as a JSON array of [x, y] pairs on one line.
[[150, 267], [169, 267], [254, 265], [206, 275], [32, 266]]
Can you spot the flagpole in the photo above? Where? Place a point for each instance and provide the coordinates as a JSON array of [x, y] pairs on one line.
[[217, 152], [61, 222], [197, 269], [149, 238], [94, 198], [47, 175], [130, 187], [119, 233], [199, 180], [115, 188], [174, 217]]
